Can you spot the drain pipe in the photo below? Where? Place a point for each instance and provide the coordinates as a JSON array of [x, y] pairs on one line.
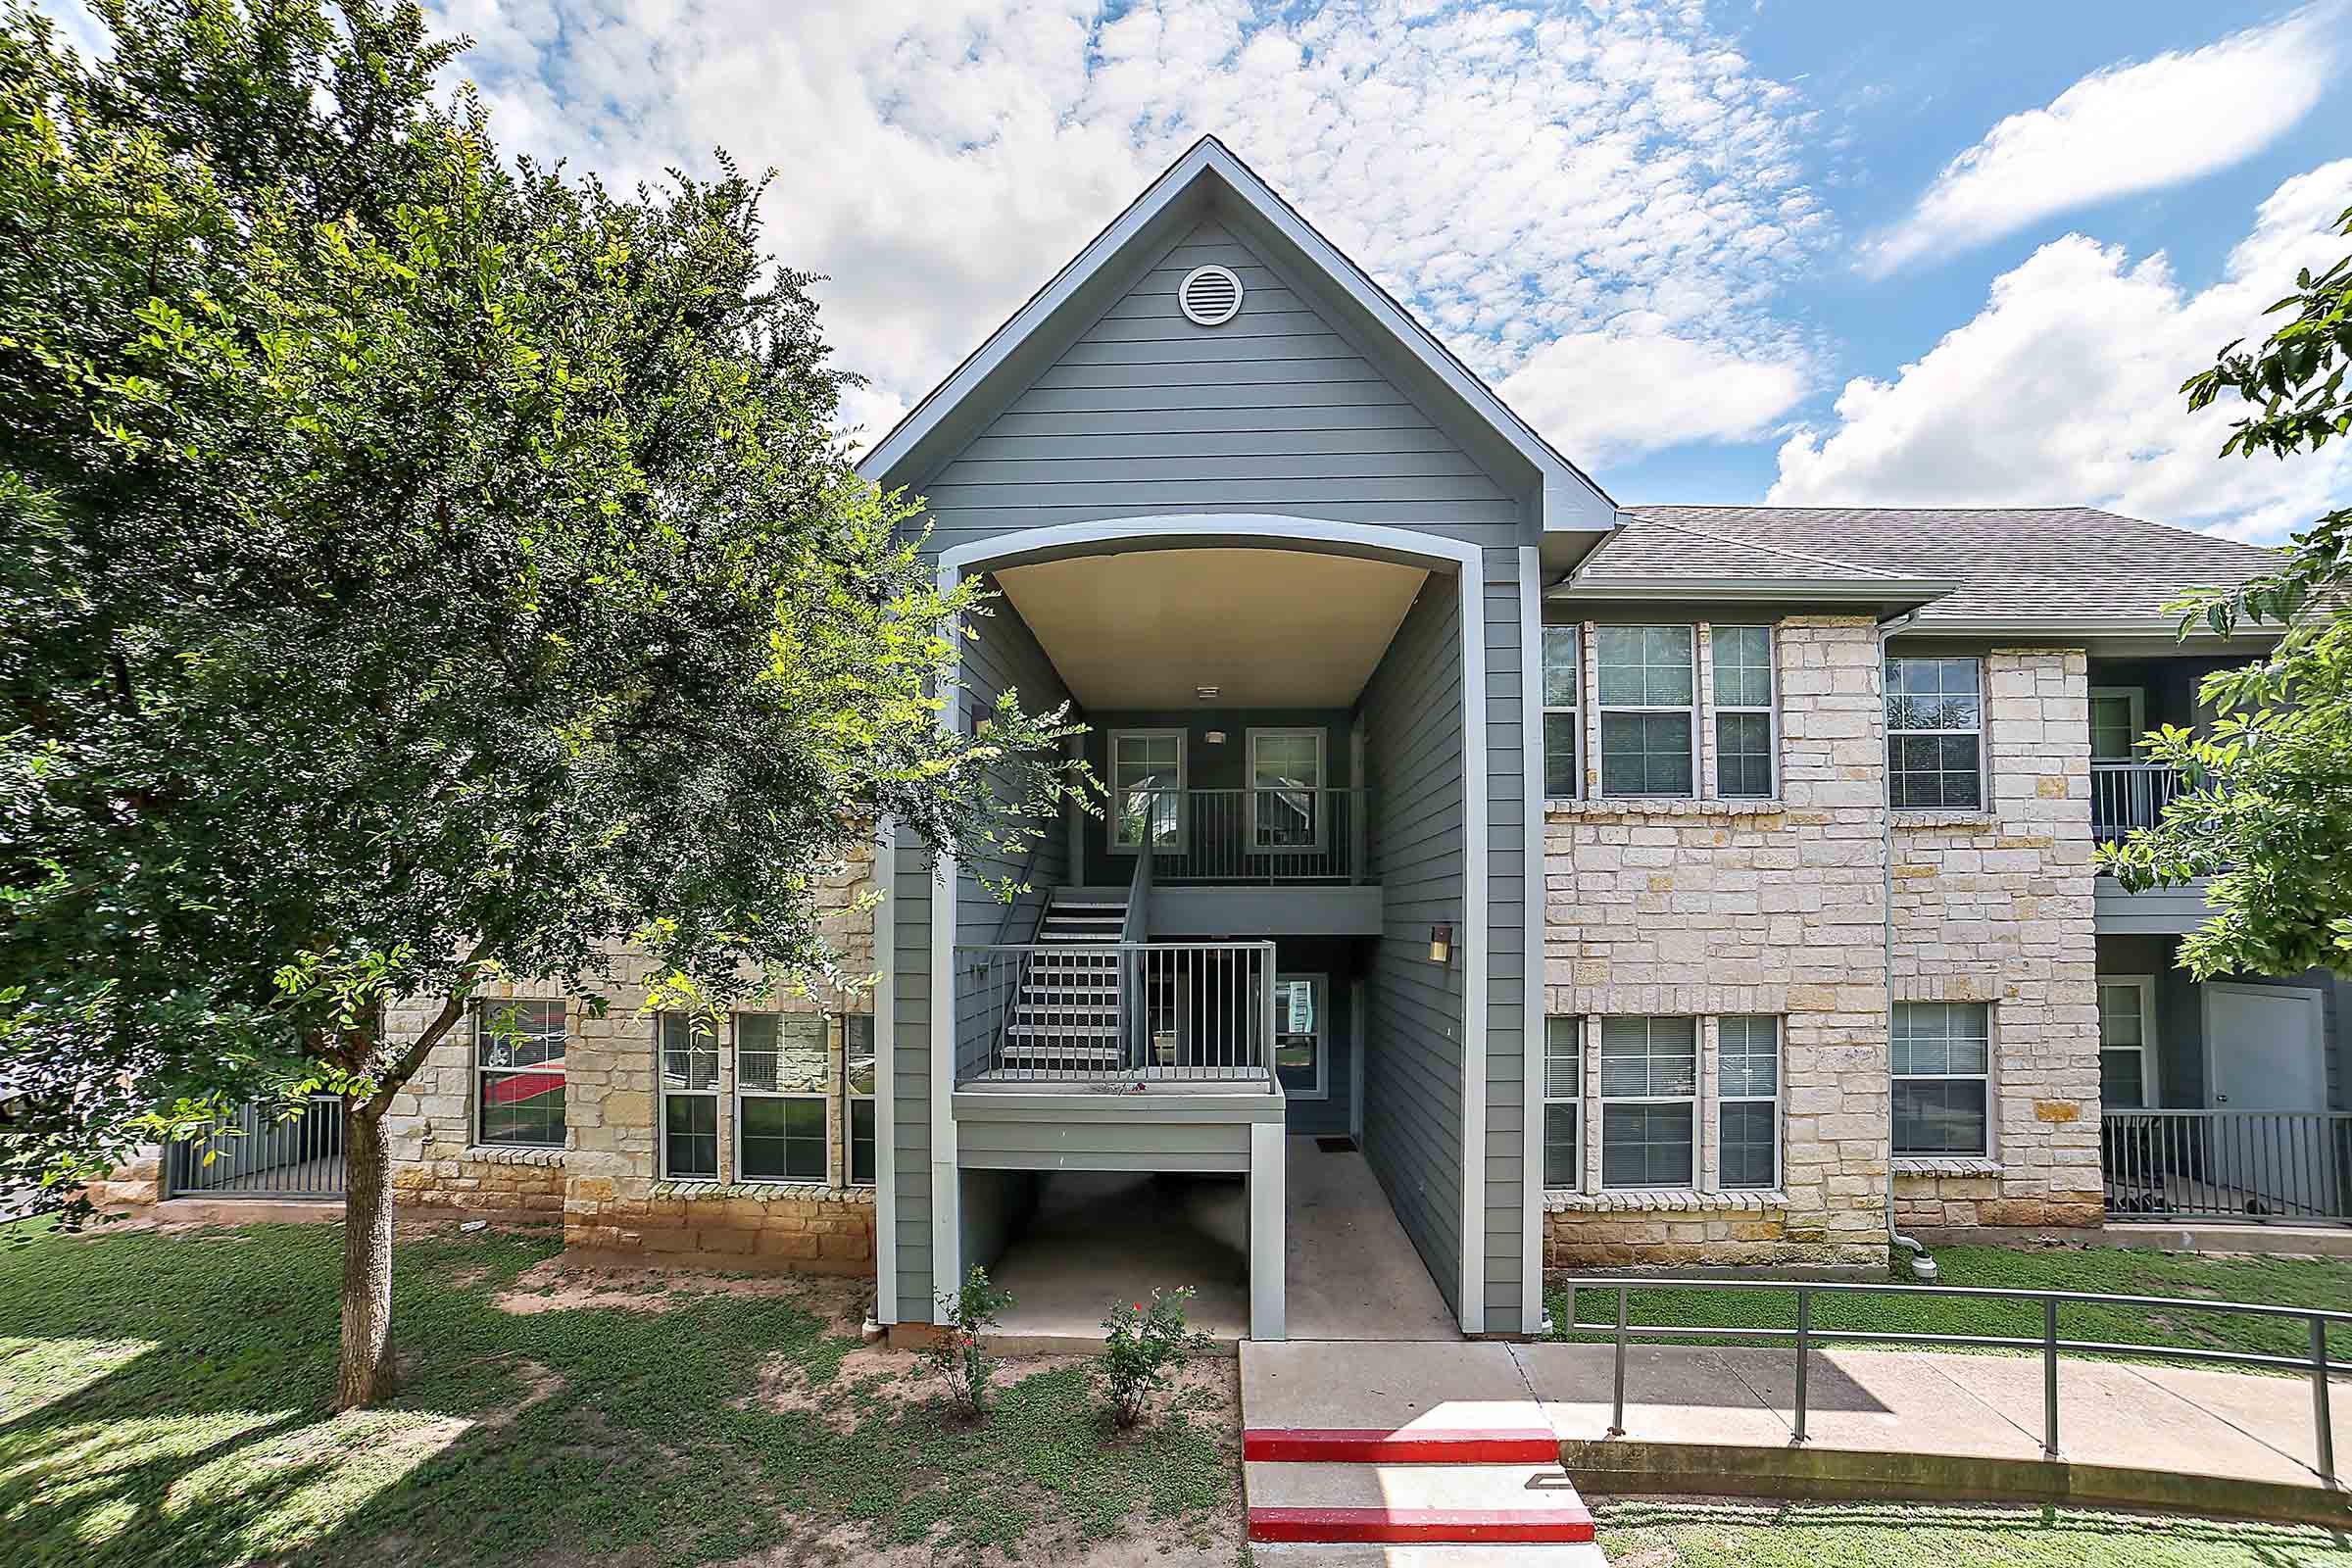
[[1923, 1267]]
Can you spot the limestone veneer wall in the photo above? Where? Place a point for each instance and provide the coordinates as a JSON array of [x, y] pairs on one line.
[[1711, 908], [1996, 906]]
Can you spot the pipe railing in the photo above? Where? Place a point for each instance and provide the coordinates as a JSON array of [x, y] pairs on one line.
[[2315, 1363], [1114, 1012], [1245, 836], [2272, 1165], [2127, 796]]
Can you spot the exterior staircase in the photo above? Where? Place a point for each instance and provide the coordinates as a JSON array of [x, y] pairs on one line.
[[1066, 1015]]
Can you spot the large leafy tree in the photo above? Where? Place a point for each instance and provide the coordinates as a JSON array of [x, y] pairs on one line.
[[422, 569], [2267, 811]]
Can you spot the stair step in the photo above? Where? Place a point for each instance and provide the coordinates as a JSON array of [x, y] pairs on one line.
[[1077, 1036], [1410, 1446], [1371, 1554], [1390, 1505]]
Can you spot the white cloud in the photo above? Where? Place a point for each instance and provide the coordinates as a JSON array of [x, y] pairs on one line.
[[2065, 389], [1605, 395], [1520, 177], [2120, 130]]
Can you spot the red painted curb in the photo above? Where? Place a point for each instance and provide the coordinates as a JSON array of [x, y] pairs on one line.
[[1405, 1526], [1380, 1446]]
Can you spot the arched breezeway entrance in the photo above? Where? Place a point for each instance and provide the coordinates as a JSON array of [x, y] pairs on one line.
[[1357, 834]]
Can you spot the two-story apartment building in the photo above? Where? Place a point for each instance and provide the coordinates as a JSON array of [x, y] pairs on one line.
[[1621, 885]]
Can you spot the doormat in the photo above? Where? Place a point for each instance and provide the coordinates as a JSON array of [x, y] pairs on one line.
[[1336, 1145]]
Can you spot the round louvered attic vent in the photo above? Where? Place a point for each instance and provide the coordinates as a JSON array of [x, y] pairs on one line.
[[1210, 296]]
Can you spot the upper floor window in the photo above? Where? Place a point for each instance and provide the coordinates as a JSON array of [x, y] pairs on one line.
[[518, 1074], [1147, 774], [1935, 733], [1286, 789], [1648, 709], [1563, 700], [1744, 711]]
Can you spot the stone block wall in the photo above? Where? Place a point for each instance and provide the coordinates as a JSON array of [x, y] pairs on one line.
[[1996, 906], [1710, 908]]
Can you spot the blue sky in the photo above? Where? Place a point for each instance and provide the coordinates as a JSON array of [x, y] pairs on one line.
[[1717, 250]]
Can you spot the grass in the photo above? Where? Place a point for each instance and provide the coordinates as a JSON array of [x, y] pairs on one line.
[[2114, 1271], [161, 1399], [1720, 1534]]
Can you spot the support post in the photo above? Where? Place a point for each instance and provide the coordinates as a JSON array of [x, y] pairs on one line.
[[1267, 1250], [1617, 1407], [1804, 1350], [2049, 1377], [2321, 1420]]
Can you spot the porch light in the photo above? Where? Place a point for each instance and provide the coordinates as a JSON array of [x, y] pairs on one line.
[[1208, 694], [1441, 944]]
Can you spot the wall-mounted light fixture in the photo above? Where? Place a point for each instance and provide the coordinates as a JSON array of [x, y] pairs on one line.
[[1215, 737], [1208, 694], [1441, 944]]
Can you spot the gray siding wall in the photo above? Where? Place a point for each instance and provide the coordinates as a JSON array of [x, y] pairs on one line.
[[1127, 1142], [2180, 1018], [1507, 944], [1005, 656], [1413, 1026], [1272, 411]]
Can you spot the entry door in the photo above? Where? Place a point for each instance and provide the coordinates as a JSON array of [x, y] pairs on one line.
[[2263, 1052]]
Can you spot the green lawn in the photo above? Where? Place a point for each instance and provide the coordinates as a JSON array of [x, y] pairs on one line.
[[2113, 1271], [161, 1401], [1822, 1535]]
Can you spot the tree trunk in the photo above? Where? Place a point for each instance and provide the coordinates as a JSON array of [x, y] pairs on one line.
[[366, 1373]]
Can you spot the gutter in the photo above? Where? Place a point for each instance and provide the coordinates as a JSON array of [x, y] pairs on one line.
[[1923, 1267]]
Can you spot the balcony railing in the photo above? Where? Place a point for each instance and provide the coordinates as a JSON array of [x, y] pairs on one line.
[[2125, 796], [1252, 835], [2282, 1165], [1115, 1012]]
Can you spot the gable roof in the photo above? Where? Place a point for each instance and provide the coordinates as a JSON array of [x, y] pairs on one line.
[[2000, 569], [1562, 497]]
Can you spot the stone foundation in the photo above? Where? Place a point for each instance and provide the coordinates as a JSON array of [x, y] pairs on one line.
[[1716, 1230], [807, 1229]]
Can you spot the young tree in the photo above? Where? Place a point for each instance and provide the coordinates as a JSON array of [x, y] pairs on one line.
[[2267, 811], [423, 570]]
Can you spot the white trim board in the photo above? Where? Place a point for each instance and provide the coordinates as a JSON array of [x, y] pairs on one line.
[[1534, 1008], [886, 1060], [1264, 531]]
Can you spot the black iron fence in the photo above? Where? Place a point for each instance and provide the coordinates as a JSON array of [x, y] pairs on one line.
[[264, 1151], [2292, 1167]]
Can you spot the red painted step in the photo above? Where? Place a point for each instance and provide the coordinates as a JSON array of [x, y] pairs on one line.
[[1422, 1446], [1406, 1526]]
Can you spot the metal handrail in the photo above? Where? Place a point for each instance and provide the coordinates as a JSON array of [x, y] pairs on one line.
[[2317, 1363], [1220, 835]]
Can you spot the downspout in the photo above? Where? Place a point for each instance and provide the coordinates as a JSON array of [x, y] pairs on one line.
[[1923, 1267]]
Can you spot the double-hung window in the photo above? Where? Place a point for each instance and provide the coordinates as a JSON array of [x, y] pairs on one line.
[[1147, 781], [1563, 701], [688, 1049], [1942, 1078], [1286, 789], [858, 1060], [518, 1074], [1648, 1102], [1563, 1102], [1935, 733], [1744, 740], [1648, 709], [1748, 1102], [2127, 1041], [782, 1085]]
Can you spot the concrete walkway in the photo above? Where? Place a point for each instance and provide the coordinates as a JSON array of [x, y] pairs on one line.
[[1725, 1414]]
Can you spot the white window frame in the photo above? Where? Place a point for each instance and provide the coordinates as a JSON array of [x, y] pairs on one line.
[[2137, 696], [1572, 710], [1563, 1089], [483, 1008], [1993, 1054], [664, 1095], [1320, 791], [1111, 770], [1769, 709], [822, 1095], [1723, 1096], [1322, 994], [2149, 1090], [1983, 759], [1603, 709], [851, 1098], [1603, 1101]]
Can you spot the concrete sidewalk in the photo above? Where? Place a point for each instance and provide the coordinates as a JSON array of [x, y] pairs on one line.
[[1703, 1413]]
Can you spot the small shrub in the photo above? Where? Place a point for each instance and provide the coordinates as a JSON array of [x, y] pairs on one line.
[[1141, 1351], [959, 1360]]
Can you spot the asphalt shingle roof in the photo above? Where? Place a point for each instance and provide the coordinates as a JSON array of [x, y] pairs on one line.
[[2057, 564]]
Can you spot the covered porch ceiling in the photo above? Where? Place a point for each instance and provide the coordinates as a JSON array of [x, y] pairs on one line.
[[1148, 629]]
